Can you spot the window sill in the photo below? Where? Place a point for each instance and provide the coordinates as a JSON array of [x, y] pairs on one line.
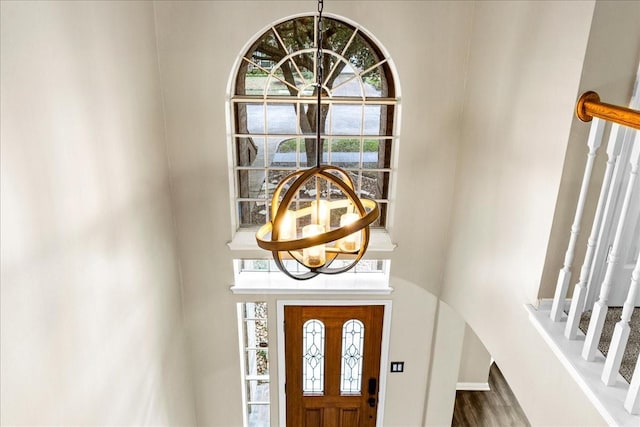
[[244, 245], [609, 401], [278, 283]]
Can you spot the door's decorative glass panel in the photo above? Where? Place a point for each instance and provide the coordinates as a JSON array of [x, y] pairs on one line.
[[352, 356], [313, 356]]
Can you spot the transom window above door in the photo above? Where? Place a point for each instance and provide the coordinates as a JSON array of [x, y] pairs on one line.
[[274, 115]]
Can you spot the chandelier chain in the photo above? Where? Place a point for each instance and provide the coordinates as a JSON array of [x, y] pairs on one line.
[[319, 78]]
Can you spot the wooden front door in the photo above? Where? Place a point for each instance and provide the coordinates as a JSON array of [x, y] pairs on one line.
[[332, 365]]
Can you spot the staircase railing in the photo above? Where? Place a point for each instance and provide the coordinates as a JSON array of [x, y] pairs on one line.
[[617, 210]]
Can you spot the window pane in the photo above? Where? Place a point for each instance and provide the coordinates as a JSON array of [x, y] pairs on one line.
[[347, 119], [297, 34], [286, 154], [257, 391], [257, 362], [352, 355], [279, 84], [374, 184], [338, 193], [361, 54], [308, 117], [303, 70], [250, 117], [255, 80], [372, 122], [250, 152], [313, 356], [345, 152], [377, 153], [276, 176], [371, 153], [307, 150], [257, 338], [252, 212], [281, 119], [374, 83], [347, 82], [378, 120], [254, 183], [339, 34], [266, 52], [258, 415], [370, 266], [254, 265]]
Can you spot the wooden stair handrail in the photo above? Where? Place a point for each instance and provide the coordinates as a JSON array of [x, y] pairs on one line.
[[589, 106]]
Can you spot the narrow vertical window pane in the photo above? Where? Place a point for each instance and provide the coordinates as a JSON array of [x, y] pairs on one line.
[[352, 356], [258, 415], [254, 347], [313, 356]]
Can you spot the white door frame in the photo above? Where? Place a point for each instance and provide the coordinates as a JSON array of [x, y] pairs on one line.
[[384, 350]]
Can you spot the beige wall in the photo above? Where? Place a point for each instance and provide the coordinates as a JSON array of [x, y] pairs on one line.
[[475, 360], [90, 295], [524, 75], [445, 352], [198, 45]]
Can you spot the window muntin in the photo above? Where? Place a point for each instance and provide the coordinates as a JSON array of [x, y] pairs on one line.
[[274, 108]]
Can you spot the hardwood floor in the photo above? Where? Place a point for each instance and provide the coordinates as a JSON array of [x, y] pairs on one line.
[[497, 407]]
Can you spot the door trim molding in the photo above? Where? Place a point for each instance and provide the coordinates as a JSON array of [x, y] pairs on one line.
[[384, 350]]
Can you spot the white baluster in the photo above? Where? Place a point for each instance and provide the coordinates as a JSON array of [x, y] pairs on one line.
[[621, 332], [614, 146], [600, 308], [632, 401], [593, 142]]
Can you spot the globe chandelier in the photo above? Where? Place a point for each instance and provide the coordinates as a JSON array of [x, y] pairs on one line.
[[312, 235]]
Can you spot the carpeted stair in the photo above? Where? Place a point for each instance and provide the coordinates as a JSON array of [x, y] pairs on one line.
[[633, 345]]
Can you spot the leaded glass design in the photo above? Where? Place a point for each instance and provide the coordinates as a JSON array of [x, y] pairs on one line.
[[352, 356], [313, 356], [275, 113]]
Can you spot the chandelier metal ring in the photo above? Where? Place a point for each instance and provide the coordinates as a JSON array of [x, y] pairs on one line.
[[367, 209]]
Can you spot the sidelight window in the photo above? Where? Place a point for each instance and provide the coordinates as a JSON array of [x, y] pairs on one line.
[[254, 350]]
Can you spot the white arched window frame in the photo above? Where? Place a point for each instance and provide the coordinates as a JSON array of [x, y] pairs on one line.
[[271, 106]]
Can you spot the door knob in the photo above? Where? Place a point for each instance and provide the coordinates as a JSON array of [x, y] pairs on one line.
[[372, 402]]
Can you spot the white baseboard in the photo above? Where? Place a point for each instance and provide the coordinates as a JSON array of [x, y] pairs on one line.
[[473, 386]]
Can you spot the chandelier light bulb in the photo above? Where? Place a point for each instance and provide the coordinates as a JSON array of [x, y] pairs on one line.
[[314, 256], [288, 227], [352, 241], [320, 213]]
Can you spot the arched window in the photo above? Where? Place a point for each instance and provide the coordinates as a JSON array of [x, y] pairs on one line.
[[274, 113]]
